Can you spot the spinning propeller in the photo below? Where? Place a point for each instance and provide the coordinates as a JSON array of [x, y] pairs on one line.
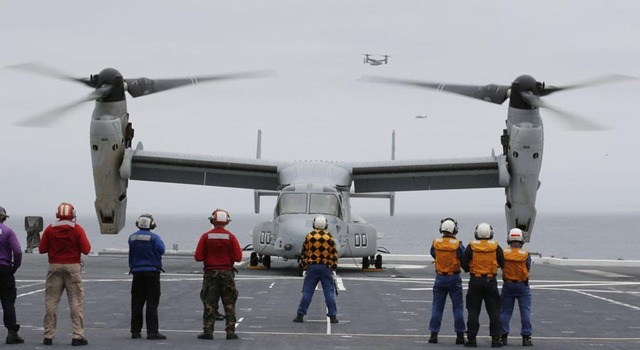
[[110, 86], [524, 93]]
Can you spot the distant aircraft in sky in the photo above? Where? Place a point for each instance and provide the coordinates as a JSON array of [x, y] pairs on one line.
[[421, 116], [375, 61]]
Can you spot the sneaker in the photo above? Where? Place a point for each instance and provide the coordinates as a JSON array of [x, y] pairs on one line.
[[232, 336], [459, 338], [434, 338], [471, 343], [156, 336], [135, 335], [526, 340], [47, 341], [333, 319], [298, 319], [79, 342], [205, 335]]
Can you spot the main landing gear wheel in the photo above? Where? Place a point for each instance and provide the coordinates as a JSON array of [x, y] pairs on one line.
[[378, 263], [365, 262], [266, 261], [253, 259]]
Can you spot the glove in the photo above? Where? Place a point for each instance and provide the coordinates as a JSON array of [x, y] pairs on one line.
[[304, 273], [333, 273]]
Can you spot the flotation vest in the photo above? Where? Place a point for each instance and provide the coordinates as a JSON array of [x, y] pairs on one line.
[[515, 265], [447, 261], [484, 261]]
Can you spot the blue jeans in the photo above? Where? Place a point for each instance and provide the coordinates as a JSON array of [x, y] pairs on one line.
[[451, 285], [510, 292], [318, 273]]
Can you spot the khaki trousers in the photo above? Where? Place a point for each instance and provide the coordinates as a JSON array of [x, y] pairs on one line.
[[62, 277]]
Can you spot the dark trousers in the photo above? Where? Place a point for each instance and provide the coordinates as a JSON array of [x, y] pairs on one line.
[[483, 289], [145, 289], [8, 296]]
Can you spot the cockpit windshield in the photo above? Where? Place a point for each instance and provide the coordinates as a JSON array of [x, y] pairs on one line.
[[319, 203], [324, 203], [292, 203]]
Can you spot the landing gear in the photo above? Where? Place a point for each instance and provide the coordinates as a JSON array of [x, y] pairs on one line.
[[367, 261], [254, 260]]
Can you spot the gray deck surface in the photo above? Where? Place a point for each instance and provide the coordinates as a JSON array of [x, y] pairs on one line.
[[574, 307]]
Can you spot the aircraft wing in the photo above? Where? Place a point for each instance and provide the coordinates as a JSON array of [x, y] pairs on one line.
[[202, 170], [416, 175]]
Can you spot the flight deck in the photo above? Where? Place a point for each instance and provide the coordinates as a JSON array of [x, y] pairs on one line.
[[576, 304]]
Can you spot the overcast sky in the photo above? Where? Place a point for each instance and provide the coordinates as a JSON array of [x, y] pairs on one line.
[[316, 108]]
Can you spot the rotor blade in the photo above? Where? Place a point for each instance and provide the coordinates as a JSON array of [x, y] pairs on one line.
[[574, 121], [608, 79], [145, 86], [50, 117], [48, 71], [490, 93]]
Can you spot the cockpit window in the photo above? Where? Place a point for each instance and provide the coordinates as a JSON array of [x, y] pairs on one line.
[[324, 203], [292, 203]]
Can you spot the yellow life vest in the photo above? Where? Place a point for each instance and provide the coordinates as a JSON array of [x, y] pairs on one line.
[[515, 265], [484, 261], [447, 261]]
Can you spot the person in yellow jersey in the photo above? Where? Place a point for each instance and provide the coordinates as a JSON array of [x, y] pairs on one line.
[[481, 259], [515, 274], [447, 251]]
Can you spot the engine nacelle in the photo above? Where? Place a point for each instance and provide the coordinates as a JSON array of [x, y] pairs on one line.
[[525, 160], [107, 150]]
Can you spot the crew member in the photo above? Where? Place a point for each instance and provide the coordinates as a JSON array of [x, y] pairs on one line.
[[517, 264], [10, 260], [481, 259], [145, 263], [64, 241], [447, 252], [218, 249], [320, 260]]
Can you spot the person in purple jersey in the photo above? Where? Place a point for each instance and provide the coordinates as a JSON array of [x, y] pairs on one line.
[[10, 261]]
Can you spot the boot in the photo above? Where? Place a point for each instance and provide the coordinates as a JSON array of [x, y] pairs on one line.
[[496, 342], [504, 338], [459, 338], [526, 340], [471, 343], [205, 335], [299, 318], [434, 338], [13, 337]]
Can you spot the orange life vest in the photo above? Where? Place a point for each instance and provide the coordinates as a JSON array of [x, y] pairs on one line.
[[515, 265], [484, 261], [447, 261]]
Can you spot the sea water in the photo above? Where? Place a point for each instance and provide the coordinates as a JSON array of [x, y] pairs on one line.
[[568, 235]]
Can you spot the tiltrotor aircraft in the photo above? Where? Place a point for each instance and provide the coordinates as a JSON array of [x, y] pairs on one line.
[[375, 61], [305, 189]]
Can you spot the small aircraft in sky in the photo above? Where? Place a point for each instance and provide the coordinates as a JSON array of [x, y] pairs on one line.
[[421, 116], [375, 61], [305, 189]]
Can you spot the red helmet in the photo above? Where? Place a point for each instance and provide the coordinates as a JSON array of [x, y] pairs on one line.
[[66, 211], [220, 217]]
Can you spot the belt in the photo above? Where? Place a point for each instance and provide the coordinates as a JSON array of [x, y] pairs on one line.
[[513, 281], [483, 275], [448, 273]]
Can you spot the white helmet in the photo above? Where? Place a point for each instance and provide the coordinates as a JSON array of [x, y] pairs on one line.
[[515, 235], [449, 225], [320, 223], [483, 231], [146, 222]]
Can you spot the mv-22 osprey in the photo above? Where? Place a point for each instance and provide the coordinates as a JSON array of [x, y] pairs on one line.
[[305, 189]]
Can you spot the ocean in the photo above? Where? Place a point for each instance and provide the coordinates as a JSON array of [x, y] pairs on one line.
[[569, 235]]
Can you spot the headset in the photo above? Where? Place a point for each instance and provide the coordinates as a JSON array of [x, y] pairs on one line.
[[146, 222], [220, 217], [455, 225]]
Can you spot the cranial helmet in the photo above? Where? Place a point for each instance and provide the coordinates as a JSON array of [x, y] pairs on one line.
[[320, 223], [66, 211], [3, 214], [483, 231], [449, 225], [146, 222], [515, 235], [220, 217]]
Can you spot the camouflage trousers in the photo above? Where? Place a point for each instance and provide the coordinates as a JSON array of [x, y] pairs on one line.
[[219, 284]]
